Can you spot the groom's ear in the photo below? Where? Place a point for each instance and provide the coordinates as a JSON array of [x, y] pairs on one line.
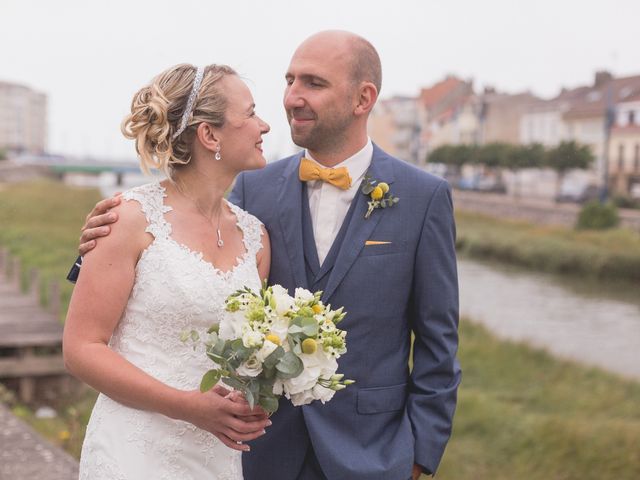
[[366, 99], [208, 136]]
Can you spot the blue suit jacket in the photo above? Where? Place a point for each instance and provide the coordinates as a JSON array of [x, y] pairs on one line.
[[389, 419]]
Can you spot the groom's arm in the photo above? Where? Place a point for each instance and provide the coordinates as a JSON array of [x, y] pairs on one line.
[[436, 373], [96, 225]]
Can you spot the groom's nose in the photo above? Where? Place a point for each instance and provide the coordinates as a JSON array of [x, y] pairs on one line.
[[293, 97]]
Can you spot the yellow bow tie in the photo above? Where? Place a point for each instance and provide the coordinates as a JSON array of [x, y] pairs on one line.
[[338, 177]]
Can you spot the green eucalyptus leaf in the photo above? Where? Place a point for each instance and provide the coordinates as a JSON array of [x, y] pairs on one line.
[[273, 358], [289, 366], [248, 394], [269, 403], [209, 380], [367, 189], [235, 383]]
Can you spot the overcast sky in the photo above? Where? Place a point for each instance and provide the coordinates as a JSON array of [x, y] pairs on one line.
[[89, 57]]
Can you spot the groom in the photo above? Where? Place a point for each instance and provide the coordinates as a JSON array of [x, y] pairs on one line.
[[394, 272]]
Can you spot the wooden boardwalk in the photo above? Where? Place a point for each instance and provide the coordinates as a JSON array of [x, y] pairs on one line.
[[30, 349], [30, 337]]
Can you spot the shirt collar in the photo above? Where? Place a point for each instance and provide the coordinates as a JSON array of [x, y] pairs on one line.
[[357, 164]]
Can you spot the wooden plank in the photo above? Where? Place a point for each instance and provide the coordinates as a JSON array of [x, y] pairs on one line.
[[31, 313], [14, 301], [16, 340], [32, 366]]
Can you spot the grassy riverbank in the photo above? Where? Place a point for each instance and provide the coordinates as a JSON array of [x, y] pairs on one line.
[[609, 254], [40, 223], [523, 414]]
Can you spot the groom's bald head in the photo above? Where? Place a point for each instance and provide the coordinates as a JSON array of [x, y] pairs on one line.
[[360, 55]]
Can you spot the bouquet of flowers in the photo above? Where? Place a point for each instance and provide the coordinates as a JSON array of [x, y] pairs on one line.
[[271, 344]]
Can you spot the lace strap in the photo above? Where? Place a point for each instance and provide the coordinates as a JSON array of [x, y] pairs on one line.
[[251, 229], [151, 200]]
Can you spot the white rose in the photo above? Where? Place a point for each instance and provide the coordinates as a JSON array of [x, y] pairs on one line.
[[250, 368], [231, 325]]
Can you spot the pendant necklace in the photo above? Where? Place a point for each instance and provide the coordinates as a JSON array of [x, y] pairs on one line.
[[220, 242]]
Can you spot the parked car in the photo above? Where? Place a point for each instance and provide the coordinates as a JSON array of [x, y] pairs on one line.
[[582, 195], [481, 183]]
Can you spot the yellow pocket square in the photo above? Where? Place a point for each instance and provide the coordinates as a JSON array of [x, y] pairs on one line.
[[374, 242]]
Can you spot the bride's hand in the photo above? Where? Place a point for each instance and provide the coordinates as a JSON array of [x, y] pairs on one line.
[[256, 414], [231, 421]]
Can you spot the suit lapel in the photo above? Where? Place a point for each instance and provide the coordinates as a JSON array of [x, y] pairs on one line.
[[359, 229], [290, 216]]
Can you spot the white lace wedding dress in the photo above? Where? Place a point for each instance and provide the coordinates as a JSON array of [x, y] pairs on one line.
[[174, 290]]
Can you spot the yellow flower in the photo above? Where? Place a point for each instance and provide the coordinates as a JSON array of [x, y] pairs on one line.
[[384, 186], [273, 338], [64, 435], [377, 193], [309, 346], [317, 308]]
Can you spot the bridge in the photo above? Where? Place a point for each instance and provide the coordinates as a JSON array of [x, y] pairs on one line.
[[90, 165]]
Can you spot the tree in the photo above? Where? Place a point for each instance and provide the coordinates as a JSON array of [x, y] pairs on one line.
[[524, 156], [3, 154], [453, 155], [494, 156], [567, 156]]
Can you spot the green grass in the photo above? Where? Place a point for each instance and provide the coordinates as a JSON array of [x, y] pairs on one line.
[[522, 414], [609, 254], [40, 223]]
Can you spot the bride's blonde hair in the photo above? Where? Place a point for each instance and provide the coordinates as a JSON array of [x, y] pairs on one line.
[[157, 109]]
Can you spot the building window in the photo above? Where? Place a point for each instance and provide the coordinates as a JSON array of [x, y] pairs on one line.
[[632, 117], [636, 158]]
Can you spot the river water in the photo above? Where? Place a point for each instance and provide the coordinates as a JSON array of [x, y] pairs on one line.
[[592, 323]]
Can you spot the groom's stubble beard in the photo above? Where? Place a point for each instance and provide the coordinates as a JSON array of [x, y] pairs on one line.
[[327, 134]]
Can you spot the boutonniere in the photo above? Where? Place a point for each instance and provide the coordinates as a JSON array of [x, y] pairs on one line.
[[379, 194]]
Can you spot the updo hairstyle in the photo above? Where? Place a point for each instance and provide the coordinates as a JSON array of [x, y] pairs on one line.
[[157, 109]]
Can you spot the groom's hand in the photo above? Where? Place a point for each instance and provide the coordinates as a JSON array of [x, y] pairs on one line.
[[96, 224], [417, 471]]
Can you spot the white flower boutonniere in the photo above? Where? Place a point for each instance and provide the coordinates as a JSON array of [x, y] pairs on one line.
[[379, 193]]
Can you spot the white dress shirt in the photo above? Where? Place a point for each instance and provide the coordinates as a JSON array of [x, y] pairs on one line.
[[329, 204]]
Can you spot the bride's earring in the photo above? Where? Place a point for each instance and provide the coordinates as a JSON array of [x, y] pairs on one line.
[[217, 156]]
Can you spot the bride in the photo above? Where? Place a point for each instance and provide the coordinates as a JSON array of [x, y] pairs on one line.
[[178, 250]]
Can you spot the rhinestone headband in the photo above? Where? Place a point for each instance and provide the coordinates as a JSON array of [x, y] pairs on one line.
[[192, 99]]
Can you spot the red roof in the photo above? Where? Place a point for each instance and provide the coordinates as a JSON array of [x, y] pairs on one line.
[[432, 95]]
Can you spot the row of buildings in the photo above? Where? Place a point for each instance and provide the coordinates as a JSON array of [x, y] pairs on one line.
[[604, 115], [23, 119]]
